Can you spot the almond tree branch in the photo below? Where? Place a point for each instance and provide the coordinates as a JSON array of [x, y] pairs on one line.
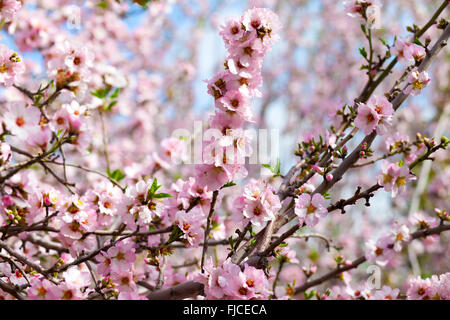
[[208, 227], [360, 260]]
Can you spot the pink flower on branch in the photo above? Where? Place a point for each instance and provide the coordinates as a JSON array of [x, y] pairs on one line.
[[309, 209], [11, 66]]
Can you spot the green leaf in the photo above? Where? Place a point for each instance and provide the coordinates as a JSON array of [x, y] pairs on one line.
[[116, 175], [326, 195], [383, 41], [115, 94], [276, 170], [363, 52], [162, 195], [102, 4], [363, 28], [417, 41], [228, 184], [175, 234], [110, 105], [309, 295], [142, 3], [231, 241], [154, 187], [101, 93]]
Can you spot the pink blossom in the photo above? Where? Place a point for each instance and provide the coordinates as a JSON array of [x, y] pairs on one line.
[[75, 278], [310, 209], [385, 293], [11, 66], [190, 223], [417, 81], [174, 149], [9, 8], [420, 289], [401, 50], [235, 101], [212, 176], [20, 117], [122, 256], [39, 136], [232, 30], [423, 221], [367, 118], [34, 30], [40, 289], [399, 235], [228, 281], [417, 52], [394, 178], [384, 110], [215, 281], [125, 281], [5, 152], [258, 203], [395, 141], [379, 251], [104, 266], [78, 217]]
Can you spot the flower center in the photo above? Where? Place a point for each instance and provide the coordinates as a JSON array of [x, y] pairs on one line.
[[234, 30], [310, 209], [68, 295], [370, 118], [378, 109], [75, 226], [243, 291], [417, 84], [401, 181], [378, 251], [257, 211], [250, 283], [60, 121], [20, 121], [248, 51], [77, 61], [387, 178], [234, 103], [3, 68], [255, 24], [41, 292]]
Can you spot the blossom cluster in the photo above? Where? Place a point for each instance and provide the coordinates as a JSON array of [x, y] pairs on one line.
[[437, 287], [365, 10], [9, 8], [229, 282], [376, 114], [394, 177], [247, 40], [258, 204], [11, 66], [84, 145], [408, 53], [382, 251], [310, 208]]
